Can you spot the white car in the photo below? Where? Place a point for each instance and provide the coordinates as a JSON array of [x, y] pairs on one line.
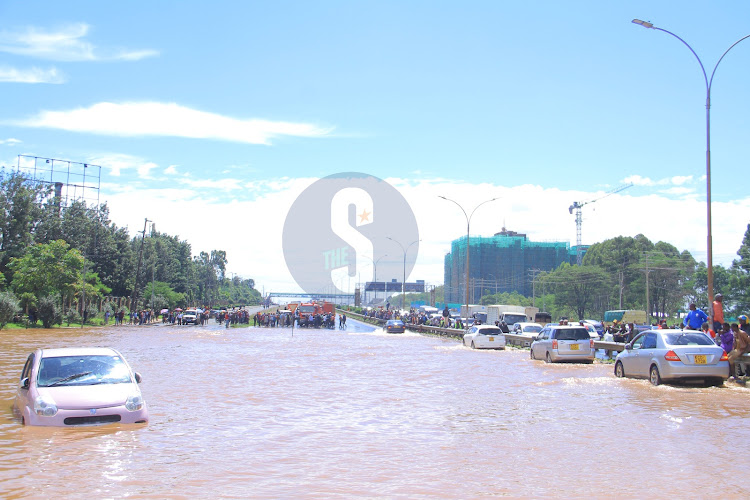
[[190, 316], [484, 337], [530, 330]]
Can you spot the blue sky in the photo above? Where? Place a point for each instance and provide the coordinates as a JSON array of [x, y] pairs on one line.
[[203, 111]]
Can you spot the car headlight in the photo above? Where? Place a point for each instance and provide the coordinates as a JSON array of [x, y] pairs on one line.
[[45, 406], [134, 402]]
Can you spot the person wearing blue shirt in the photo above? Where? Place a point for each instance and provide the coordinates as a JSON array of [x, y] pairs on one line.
[[695, 318]]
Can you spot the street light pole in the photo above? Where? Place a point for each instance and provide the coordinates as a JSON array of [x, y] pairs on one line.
[[403, 283], [468, 240], [709, 82], [375, 271]]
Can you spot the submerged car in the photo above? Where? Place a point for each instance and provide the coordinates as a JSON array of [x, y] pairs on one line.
[[673, 355], [484, 337], [394, 326], [563, 343], [79, 386]]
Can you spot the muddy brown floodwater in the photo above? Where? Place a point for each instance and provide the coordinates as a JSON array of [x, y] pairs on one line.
[[263, 413]]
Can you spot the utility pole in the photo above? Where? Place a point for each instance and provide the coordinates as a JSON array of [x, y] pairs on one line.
[[134, 298]]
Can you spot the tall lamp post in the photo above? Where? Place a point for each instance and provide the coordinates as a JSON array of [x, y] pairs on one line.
[[375, 271], [403, 283], [709, 82], [468, 239]]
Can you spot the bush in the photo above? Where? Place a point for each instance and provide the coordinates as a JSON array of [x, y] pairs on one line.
[[49, 311], [9, 306], [72, 316]]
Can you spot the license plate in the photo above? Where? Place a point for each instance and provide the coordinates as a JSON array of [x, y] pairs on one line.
[[492, 339], [700, 359], [574, 347]]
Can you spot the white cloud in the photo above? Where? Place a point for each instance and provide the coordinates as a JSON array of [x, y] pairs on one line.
[[679, 191], [116, 163], [170, 170], [64, 44], [679, 180], [32, 75], [9, 142], [639, 180], [168, 119], [253, 232], [144, 170]]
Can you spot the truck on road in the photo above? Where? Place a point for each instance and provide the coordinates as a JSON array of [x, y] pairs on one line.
[[506, 315]]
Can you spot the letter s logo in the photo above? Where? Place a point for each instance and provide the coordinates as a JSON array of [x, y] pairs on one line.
[[340, 225]]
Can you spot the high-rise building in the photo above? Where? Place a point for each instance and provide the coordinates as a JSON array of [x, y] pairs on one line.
[[505, 262]]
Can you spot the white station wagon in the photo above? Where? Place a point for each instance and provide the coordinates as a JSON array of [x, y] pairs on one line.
[[484, 337]]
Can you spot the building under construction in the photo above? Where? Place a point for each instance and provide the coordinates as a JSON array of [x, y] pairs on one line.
[[505, 262]]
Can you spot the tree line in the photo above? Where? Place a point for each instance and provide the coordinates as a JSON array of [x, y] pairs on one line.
[[68, 257], [635, 273]]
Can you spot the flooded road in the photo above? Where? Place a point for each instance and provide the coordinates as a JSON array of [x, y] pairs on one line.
[[262, 413]]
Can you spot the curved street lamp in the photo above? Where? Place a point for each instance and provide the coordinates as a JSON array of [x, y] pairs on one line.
[[468, 239], [709, 82], [403, 283]]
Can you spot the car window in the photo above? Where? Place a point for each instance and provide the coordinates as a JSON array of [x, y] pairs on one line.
[[532, 329], [572, 334], [638, 342], [26, 372], [687, 338], [490, 331], [82, 370], [544, 333], [650, 341]]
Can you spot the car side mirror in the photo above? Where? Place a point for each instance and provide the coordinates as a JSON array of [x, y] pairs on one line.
[[628, 347], [25, 383], [138, 377]]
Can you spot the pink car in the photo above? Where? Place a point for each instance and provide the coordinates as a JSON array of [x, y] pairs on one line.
[[79, 386]]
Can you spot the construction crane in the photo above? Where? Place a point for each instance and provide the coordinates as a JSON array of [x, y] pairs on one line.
[[577, 205]]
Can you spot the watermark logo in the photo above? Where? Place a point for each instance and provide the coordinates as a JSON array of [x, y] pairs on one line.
[[349, 228]]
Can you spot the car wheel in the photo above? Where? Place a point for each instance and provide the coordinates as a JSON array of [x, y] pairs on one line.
[[472, 345], [532, 354], [619, 370], [654, 376], [548, 359]]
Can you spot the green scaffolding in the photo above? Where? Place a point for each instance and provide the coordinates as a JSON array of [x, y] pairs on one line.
[[499, 263]]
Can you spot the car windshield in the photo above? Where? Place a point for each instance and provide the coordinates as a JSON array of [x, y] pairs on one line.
[[573, 334], [82, 370], [687, 338], [307, 309], [514, 318], [532, 329], [489, 331], [396, 323]]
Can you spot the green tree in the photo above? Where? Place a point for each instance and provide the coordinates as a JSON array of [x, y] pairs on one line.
[[576, 287], [739, 280], [49, 311], [47, 269], [9, 306], [20, 212]]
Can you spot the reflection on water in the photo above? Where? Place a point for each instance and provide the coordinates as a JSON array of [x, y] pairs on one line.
[[362, 413]]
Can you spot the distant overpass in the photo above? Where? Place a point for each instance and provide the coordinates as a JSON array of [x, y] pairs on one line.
[[338, 298]]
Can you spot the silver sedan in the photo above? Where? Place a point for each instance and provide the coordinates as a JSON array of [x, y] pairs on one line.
[[673, 355]]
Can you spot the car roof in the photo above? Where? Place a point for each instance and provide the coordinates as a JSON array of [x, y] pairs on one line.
[[486, 326], [78, 351], [567, 327]]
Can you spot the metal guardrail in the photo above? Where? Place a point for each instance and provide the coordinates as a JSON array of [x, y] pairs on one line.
[[510, 338]]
